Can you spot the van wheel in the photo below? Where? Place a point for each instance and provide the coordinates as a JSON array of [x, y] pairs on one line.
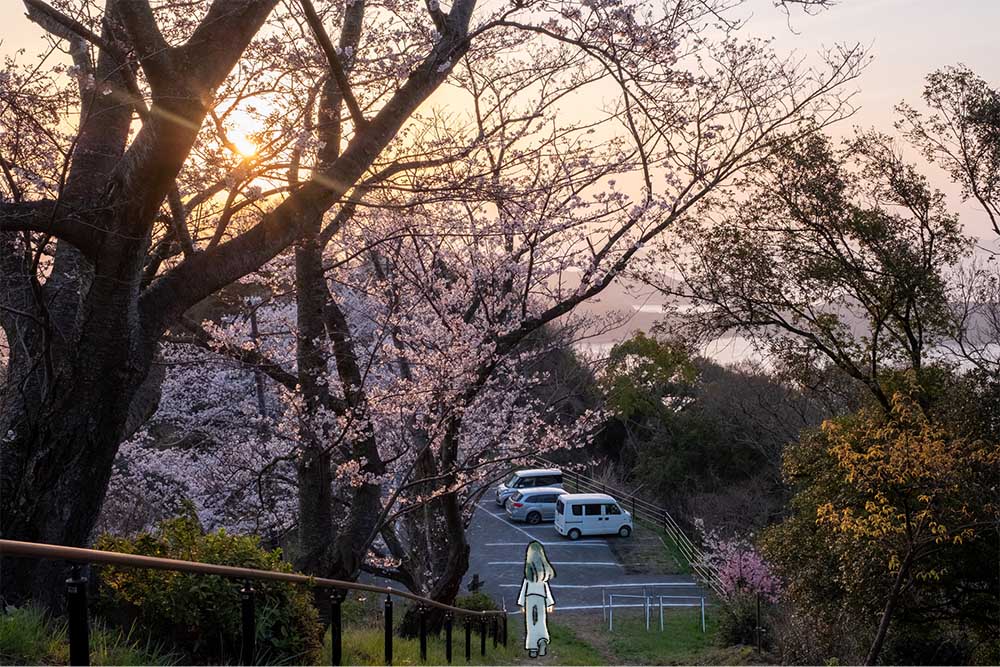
[[534, 518], [574, 534], [625, 531]]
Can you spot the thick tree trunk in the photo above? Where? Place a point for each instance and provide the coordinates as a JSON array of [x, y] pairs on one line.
[[63, 436], [314, 473], [449, 568]]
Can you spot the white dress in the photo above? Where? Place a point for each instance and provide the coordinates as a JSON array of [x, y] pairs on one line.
[[535, 598]]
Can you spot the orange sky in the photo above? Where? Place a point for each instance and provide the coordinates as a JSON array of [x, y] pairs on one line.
[[909, 38]]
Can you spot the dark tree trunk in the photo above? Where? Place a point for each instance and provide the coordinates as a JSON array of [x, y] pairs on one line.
[[67, 407], [80, 382], [890, 607], [449, 566], [314, 473]]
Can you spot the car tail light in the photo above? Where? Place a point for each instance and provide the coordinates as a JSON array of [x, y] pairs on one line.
[[517, 504]]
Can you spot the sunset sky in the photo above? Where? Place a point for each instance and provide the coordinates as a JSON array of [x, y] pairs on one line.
[[909, 39]]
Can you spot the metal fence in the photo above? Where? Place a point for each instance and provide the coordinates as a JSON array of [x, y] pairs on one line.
[[608, 605], [646, 511], [488, 623]]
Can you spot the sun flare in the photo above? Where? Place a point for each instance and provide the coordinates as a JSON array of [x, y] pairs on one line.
[[243, 143]]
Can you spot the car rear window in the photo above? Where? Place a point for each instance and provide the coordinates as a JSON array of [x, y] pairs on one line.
[[517, 497]]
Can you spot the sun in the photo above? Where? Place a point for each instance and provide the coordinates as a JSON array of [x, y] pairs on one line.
[[243, 131], [243, 143]]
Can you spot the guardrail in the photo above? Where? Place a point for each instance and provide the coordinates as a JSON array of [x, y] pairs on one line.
[[490, 623], [646, 510]]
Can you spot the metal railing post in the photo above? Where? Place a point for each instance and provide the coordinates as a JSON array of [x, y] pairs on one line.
[[505, 628], [422, 611], [249, 624], [482, 636], [447, 636], [388, 629], [645, 605], [604, 603], [336, 627], [661, 613], [79, 625], [703, 615], [633, 508], [468, 639], [611, 612], [495, 630]]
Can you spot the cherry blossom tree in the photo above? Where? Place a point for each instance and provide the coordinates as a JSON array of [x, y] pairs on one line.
[[462, 219]]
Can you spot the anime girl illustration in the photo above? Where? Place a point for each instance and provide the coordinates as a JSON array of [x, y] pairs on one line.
[[535, 598]]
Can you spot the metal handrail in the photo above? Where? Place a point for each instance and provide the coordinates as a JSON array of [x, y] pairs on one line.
[[78, 626], [75, 554]]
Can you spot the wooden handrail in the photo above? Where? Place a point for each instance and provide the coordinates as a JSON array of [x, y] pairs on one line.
[[78, 555]]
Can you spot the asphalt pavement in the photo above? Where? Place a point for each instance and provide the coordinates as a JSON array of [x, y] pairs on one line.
[[587, 570]]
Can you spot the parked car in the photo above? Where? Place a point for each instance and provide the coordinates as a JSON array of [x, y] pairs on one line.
[[528, 479], [591, 514], [534, 505]]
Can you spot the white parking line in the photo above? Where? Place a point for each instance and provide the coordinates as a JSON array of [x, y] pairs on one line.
[[504, 522], [554, 562], [550, 544], [654, 585], [617, 606]]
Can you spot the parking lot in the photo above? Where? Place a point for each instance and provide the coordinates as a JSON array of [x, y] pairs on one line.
[[585, 568]]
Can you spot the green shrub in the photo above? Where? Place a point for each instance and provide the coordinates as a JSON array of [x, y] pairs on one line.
[[200, 614], [476, 602], [738, 622]]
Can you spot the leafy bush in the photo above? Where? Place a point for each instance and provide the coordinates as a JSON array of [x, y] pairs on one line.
[[29, 637], [476, 602], [199, 613], [738, 621]]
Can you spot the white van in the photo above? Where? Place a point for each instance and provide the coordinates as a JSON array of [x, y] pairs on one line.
[[528, 479], [591, 514]]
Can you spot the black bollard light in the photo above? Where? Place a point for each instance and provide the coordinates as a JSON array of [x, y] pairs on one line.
[[447, 636], [422, 612], [79, 625], [249, 624], [336, 626], [388, 629]]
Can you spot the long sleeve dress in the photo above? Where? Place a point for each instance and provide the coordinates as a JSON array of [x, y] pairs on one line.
[[535, 598]]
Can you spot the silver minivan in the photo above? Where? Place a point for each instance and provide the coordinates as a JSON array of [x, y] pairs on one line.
[[534, 505], [528, 479]]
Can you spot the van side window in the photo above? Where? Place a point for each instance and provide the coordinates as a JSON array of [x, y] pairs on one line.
[[577, 510], [593, 510], [612, 509]]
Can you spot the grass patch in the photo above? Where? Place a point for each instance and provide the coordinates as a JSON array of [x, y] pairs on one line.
[[673, 551], [28, 636], [364, 645], [681, 642]]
